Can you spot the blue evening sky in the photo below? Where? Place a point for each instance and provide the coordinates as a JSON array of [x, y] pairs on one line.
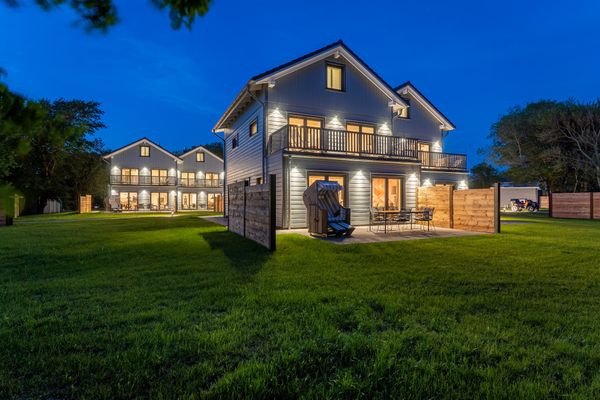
[[474, 60]]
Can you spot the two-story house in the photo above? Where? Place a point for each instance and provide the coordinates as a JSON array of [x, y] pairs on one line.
[[146, 177], [328, 116]]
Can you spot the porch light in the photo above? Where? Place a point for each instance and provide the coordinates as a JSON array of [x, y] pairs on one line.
[[271, 84], [427, 183]]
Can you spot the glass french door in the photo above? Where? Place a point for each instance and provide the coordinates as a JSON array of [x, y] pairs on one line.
[[305, 132], [159, 201], [128, 201], [129, 176], [386, 192], [189, 201], [187, 179], [360, 138], [341, 179], [212, 179], [159, 176]]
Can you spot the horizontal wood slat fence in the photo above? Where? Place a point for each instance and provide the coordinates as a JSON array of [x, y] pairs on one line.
[[476, 210], [85, 204], [252, 211], [575, 205]]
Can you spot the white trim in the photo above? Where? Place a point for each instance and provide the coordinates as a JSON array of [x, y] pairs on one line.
[[205, 150], [340, 51], [296, 155], [142, 141], [445, 124]]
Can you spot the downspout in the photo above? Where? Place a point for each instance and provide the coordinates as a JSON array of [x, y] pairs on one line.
[[224, 168], [263, 146]]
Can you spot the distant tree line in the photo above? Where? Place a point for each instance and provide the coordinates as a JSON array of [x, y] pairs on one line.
[[554, 144], [215, 147], [48, 149]]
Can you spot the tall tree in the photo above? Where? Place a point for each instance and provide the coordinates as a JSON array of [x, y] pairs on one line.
[[100, 15], [484, 175]]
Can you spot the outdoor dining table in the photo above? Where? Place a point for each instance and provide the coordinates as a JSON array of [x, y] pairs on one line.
[[388, 213]]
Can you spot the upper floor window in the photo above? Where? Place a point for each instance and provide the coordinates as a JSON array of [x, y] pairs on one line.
[[144, 151], [253, 128], [234, 142], [200, 156], [404, 113], [335, 77]]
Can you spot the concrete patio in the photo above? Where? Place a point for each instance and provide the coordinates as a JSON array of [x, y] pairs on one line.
[[362, 234]]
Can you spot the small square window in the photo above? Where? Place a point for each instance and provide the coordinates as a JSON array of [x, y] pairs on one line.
[[253, 128], [144, 151], [335, 77], [234, 142], [259, 181], [200, 156]]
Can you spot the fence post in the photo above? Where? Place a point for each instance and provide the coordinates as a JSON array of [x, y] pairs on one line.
[[550, 194], [451, 206], [246, 184], [591, 205], [497, 207], [272, 212]]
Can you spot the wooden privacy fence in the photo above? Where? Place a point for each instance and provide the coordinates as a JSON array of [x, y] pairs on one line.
[[85, 203], [575, 205], [252, 211], [475, 210]]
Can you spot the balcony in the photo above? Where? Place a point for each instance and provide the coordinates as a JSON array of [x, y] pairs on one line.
[[443, 161], [201, 183], [142, 180], [302, 139], [342, 143]]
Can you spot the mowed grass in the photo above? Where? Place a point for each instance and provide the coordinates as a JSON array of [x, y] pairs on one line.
[[179, 308]]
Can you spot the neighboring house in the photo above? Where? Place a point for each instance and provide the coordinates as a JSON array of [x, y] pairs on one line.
[[146, 177], [328, 115]]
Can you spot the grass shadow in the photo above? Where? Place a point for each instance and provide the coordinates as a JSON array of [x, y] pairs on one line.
[[245, 255]]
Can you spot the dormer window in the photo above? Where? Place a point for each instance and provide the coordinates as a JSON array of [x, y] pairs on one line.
[[335, 77], [200, 156], [403, 113], [144, 151]]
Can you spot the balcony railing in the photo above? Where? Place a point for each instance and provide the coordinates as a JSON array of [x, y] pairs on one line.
[[201, 183], [444, 161], [332, 141], [143, 180]]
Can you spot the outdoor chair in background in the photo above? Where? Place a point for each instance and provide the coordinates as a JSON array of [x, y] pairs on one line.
[[376, 218], [402, 218], [426, 216]]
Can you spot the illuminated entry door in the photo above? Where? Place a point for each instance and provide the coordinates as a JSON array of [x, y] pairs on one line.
[[386, 193], [159, 201], [360, 138], [188, 201], [305, 132]]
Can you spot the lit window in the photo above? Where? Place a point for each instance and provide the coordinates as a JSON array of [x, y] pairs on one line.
[[253, 128], [200, 156], [259, 181], [335, 77], [144, 151]]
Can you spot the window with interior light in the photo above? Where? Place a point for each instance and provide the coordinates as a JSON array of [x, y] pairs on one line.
[[386, 192], [253, 128], [361, 139], [200, 156], [338, 178], [144, 151], [335, 77]]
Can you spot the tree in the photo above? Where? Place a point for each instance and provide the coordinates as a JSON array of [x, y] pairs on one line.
[[100, 15], [553, 143], [484, 175]]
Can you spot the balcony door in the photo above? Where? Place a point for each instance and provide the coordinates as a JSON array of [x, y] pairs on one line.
[[159, 201], [360, 138], [187, 179], [212, 179], [386, 192], [305, 132], [130, 176], [159, 176], [215, 202]]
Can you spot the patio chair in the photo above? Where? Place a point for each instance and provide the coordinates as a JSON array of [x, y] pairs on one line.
[[376, 218], [326, 216], [426, 216], [402, 218]]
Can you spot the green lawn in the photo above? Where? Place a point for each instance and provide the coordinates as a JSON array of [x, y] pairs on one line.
[[179, 308], [74, 215]]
